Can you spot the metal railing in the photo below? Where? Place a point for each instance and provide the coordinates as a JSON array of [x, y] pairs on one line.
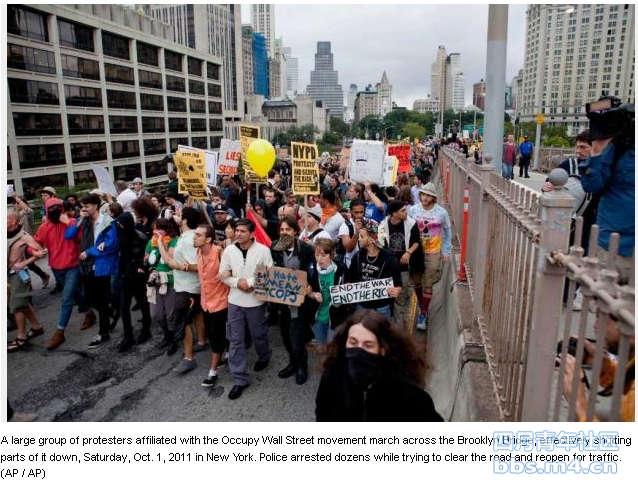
[[517, 260]]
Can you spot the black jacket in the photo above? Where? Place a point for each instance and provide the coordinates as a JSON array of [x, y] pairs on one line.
[[306, 258], [391, 398]]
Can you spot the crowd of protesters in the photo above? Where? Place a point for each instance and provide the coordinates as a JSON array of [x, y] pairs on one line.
[[189, 266]]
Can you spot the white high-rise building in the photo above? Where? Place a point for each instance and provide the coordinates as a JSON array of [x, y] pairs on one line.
[[384, 95], [437, 76], [454, 83], [574, 53], [262, 17], [348, 116], [292, 73]]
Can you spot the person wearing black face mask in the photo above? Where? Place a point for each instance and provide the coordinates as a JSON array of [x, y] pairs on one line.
[[373, 373]]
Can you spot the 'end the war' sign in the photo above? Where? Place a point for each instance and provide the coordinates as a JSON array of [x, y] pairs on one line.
[[349, 293], [280, 285]]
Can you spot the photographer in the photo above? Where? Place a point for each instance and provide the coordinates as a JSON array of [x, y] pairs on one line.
[[610, 172]]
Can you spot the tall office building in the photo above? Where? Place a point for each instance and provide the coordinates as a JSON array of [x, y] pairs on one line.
[[100, 84], [437, 76], [292, 73], [574, 53], [384, 95], [454, 83], [348, 115], [262, 17], [213, 29], [478, 94], [248, 60], [278, 82], [324, 81]]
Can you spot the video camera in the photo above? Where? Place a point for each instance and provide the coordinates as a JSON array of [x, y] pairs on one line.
[[609, 118]]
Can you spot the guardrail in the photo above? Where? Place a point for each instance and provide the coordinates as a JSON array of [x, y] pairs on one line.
[[517, 259]]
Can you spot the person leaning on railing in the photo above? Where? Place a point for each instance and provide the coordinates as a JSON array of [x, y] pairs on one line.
[[607, 373]]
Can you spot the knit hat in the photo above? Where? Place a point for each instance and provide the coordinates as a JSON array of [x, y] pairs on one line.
[[138, 180]]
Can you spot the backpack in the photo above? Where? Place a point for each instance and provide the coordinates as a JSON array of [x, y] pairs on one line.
[[575, 188], [340, 248]]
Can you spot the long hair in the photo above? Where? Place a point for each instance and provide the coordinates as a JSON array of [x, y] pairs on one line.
[[401, 355]]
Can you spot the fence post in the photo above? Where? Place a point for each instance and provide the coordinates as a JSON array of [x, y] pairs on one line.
[[482, 211], [466, 208], [555, 216]]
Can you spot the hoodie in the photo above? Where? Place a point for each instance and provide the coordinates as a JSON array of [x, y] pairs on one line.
[[63, 253]]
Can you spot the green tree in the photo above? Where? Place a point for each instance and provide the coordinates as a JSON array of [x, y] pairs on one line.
[[413, 130], [339, 126], [556, 141], [332, 138]]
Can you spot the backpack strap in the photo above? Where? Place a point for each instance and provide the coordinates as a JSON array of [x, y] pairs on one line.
[[573, 167]]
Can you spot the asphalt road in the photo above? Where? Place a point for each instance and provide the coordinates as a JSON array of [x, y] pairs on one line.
[[73, 383]]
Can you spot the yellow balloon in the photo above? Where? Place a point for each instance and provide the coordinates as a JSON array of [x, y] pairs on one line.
[[260, 156]]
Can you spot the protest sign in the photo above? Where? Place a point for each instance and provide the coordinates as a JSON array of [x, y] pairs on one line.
[[305, 172], [191, 172], [344, 159], [349, 293], [103, 178], [390, 166], [366, 161], [248, 134], [211, 162], [229, 155], [402, 151], [280, 285]]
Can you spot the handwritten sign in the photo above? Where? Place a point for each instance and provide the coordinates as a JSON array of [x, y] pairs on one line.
[[248, 134], [349, 293], [103, 178], [211, 158], [191, 172], [229, 156], [344, 160], [402, 151], [366, 161], [280, 285], [305, 171]]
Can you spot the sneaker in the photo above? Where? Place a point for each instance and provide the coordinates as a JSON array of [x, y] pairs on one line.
[[185, 366], [98, 341], [210, 381], [421, 322], [578, 301]]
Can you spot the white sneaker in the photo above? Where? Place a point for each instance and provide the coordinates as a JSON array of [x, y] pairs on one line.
[[578, 301]]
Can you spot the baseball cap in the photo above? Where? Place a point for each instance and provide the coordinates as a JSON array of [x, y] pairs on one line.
[[138, 180], [48, 189], [220, 208], [289, 192]]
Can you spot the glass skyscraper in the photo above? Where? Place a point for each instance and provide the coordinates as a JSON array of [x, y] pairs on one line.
[[324, 81]]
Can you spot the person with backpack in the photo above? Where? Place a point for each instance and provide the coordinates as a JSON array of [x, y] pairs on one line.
[[526, 150], [313, 229], [292, 208]]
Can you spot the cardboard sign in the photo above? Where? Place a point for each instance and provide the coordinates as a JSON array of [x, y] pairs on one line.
[[305, 171], [104, 181], [349, 293], [191, 173], [390, 166], [402, 151], [229, 156], [344, 160], [280, 285], [248, 134], [366, 161], [211, 163]]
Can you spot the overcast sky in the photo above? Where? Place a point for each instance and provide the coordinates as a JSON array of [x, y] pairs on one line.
[[400, 39]]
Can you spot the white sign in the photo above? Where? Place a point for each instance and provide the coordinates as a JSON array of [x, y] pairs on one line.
[[390, 167], [229, 156], [104, 181], [348, 293], [211, 163], [10, 190], [366, 161]]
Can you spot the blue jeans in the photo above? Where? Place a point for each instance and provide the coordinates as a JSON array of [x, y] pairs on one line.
[[69, 280], [508, 170], [384, 310]]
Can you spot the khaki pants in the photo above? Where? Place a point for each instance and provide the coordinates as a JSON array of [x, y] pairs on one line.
[[405, 304]]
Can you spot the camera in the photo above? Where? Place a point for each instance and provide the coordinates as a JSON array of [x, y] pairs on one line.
[[608, 117]]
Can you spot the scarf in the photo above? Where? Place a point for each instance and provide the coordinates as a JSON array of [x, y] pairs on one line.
[[328, 270], [327, 213]]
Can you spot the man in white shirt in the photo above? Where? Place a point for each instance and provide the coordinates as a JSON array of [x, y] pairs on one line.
[[237, 269], [125, 196]]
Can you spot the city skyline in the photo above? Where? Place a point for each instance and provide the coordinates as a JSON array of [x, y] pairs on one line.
[[405, 53]]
